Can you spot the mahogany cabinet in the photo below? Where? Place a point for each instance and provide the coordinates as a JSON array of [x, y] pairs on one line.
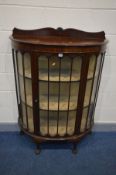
[[57, 78]]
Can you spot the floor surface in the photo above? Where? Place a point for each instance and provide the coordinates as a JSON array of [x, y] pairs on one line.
[[96, 156]]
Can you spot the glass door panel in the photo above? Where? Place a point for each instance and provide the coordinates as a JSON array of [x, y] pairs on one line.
[[58, 93]]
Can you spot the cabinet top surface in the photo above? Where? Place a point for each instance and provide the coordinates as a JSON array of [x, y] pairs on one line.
[[64, 37]]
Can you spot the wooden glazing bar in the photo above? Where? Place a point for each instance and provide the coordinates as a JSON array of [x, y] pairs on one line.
[[48, 92], [38, 95], [59, 94], [69, 93], [34, 74], [20, 106], [25, 89], [82, 88], [15, 76], [92, 88]]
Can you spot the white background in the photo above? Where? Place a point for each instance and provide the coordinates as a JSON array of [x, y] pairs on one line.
[[89, 15]]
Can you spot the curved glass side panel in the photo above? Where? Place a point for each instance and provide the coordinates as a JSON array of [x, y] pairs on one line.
[[91, 109], [19, 58], [88, 91], [25, 83]]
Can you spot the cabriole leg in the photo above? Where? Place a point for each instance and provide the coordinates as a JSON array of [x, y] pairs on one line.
[[37, 150]]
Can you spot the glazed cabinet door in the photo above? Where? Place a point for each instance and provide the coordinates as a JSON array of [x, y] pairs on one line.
[[59, 79]]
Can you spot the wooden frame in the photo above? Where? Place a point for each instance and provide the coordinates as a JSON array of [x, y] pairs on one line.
[[70, 43]]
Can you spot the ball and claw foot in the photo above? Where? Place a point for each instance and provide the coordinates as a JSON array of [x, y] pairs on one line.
[[74, 149], [21, 133], [37, 150]]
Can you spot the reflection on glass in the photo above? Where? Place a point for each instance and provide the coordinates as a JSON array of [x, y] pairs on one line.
[[83, 120]]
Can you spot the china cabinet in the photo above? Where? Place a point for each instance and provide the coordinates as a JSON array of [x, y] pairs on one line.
[[57, 77]]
